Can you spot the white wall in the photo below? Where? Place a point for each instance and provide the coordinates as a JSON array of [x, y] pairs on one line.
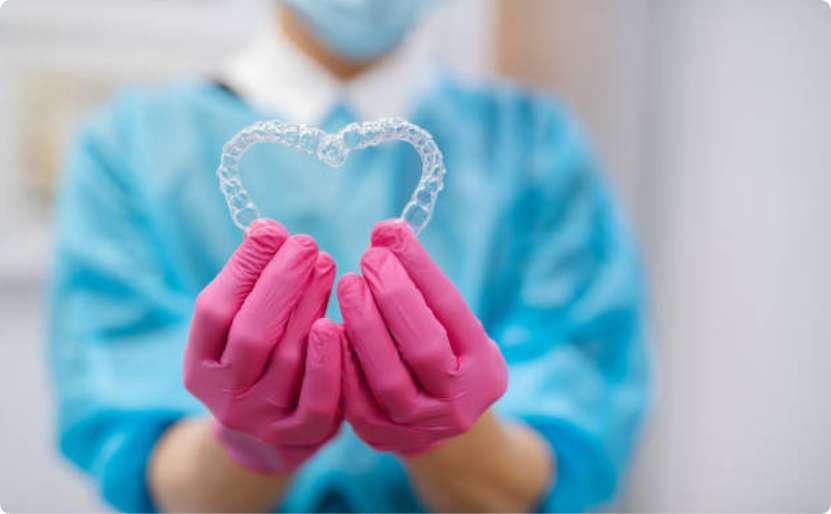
[[738, 232], [714, 119]]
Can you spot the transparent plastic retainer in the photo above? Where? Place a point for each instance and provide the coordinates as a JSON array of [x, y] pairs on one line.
[[333, 149]]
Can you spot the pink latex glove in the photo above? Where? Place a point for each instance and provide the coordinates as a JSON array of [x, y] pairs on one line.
[[423, 369], [261, 357]]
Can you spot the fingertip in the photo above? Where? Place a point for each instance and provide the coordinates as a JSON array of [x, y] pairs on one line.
[[266, 228], [264, 236], [350, 286], [324, 263], [304, 242], [324, 342], [374, 259], [325, 328], [393, 233], [299, 254], [263, 239], [336, 335]]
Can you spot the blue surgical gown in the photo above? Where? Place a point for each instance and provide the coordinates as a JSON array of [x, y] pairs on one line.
[[525, 228]]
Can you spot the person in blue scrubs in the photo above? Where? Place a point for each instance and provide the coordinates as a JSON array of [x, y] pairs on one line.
[[525, 228]]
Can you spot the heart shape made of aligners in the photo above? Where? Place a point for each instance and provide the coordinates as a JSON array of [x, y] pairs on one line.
[[333, 149]]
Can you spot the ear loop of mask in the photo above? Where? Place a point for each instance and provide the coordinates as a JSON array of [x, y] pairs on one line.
[[333, 149]]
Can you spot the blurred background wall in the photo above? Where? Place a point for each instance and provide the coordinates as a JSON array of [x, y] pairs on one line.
[[713, 118]]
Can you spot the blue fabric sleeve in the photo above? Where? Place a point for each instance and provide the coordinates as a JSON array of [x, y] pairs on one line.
[[573, 330], [116, 319]]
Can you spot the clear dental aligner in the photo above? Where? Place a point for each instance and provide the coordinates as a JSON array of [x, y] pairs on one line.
[[333, 149]]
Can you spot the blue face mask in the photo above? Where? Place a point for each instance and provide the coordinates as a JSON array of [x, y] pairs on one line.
[[359, 29]]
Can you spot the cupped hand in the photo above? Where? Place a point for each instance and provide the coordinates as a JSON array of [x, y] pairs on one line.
[[260, 355], [418, 366]]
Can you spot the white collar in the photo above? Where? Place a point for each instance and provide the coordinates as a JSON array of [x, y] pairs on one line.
[[274, 75]]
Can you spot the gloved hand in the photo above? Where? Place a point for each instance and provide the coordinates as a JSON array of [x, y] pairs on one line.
[[261, 357], [418, 366]]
